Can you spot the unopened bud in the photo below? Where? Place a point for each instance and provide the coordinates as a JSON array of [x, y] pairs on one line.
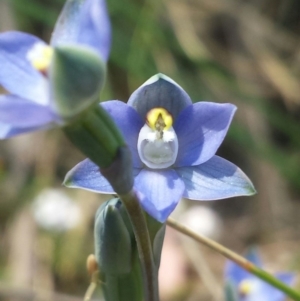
[[113, 249]]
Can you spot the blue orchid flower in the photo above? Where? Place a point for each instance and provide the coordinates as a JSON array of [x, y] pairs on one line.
[[29, 75], [173, 144], [250, 288]]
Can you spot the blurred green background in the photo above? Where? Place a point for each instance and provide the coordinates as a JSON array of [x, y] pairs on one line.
[[246, 52]]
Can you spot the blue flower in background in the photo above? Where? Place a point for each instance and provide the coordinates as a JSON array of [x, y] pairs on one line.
[[27, 73], [250, 288], [173, 144]]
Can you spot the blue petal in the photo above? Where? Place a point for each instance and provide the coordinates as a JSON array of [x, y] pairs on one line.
[[95, 27], [20, 115], [159, 91], [86, 175], [200, 130], [159, 192], [214, 179], [67, 26], [235, 273], [84, 23], [16, 73], [130, 124], [263, 291]]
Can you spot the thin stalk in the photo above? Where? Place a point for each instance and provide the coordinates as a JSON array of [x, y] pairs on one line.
[[92, 287], [90, 291], [241, 261], [141, 233]]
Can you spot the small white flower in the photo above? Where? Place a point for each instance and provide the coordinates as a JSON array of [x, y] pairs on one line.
[[53, 210]]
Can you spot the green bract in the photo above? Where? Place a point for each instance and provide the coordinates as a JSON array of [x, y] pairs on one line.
[[78, 74]]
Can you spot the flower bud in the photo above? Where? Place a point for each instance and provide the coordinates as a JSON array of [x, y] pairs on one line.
[[113, 249]]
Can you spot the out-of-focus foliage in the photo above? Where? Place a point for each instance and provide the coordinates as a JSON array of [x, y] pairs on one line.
[[244, 52]]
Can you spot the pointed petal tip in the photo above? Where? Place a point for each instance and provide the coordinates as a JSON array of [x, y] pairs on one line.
[[68, 180], [159, 192], [162, 77], [251, 190], [247, 190], [158, 214], [162, 218], [162, 215], [232, 107]]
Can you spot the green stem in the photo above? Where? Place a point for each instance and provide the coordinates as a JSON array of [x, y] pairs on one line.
[[253, 269], [141, 233], [241, 261]]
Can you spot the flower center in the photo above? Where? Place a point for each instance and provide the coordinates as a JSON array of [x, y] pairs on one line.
[[246, 287], [157, 142], [40, 56]]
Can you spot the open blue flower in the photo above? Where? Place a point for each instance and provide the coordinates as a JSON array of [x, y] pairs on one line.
[[26, 66], [250, 288], [173, 144]]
